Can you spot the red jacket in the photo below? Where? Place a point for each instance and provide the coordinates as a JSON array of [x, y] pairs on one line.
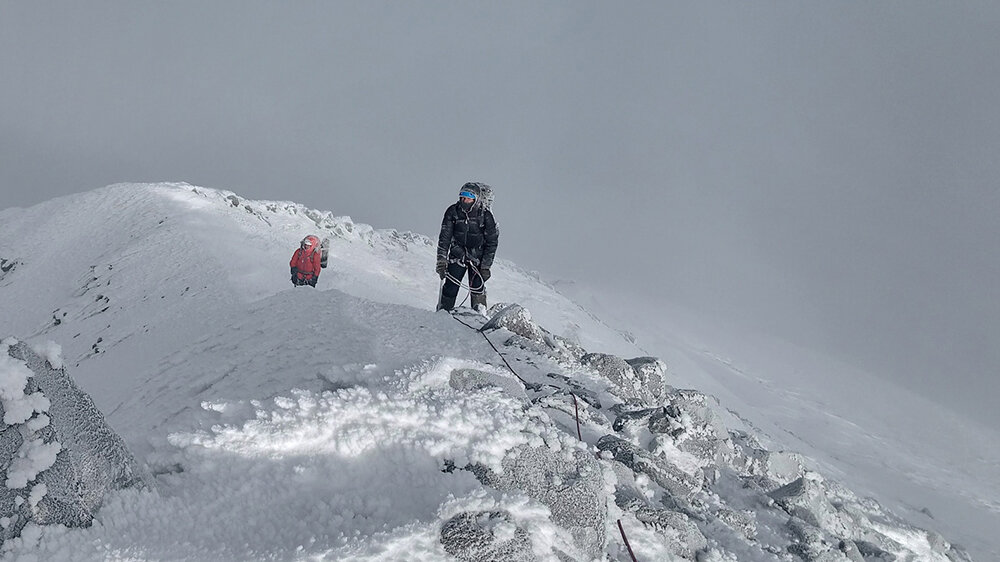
[[307, 261]]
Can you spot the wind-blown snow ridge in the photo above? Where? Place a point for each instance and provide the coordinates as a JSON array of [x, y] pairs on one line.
[[353, 422]]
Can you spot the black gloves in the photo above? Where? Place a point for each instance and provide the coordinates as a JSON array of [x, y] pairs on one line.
[[295, 273], [485, 273], [442, 268]]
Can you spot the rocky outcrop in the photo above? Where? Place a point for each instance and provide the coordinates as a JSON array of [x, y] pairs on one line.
[[684, 469], [58, 457]]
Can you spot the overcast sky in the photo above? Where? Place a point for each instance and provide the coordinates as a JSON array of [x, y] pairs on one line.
[[822, 171]]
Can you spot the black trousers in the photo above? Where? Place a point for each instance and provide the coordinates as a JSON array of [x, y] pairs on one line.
[[450, 290]]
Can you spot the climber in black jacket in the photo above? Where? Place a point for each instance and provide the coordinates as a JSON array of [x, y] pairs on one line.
[[468, 242]]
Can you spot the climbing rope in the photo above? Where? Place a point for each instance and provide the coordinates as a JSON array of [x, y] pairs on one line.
[[471, 290], [482, 284]]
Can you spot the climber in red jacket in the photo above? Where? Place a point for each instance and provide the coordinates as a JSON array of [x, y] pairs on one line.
[[305, 262]]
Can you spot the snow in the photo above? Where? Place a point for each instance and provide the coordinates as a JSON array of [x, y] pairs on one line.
[[14, 374], [33, 457], [51, 352], [319, 424], [37, 493]]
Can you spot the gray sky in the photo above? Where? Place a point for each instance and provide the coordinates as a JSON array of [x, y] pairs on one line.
[[821, 171]]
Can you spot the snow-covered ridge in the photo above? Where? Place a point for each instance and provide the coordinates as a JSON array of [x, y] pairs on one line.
[[137, 243], [354, 422]]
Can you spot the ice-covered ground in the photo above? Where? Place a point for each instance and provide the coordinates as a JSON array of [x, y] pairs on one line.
[[301, 424]]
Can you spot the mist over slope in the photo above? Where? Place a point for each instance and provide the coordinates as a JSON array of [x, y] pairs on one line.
[[309, 424]]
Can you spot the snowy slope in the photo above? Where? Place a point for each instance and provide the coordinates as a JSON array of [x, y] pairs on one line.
[[300, 424]]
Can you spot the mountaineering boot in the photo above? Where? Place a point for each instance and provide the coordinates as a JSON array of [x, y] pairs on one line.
[[479, 303]]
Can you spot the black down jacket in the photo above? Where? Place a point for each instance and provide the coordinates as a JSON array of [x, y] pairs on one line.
[[468, 236]]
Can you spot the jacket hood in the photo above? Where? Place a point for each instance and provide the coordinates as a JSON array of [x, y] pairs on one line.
[[314, 242], [484, 194]]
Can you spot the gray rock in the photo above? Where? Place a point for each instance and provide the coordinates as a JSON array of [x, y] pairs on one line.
[[628, 420], [873, 553], [528, 335], [811, 544], [686, 538], [515, 318], [91, 461], [762, 469], [703, 434], [486, 536], [743, 522], [577, 389], [807, 500], [678, 484], [626, 383], [851, 551], [474, 379], [653, 372], [569, 482], [7, 266]]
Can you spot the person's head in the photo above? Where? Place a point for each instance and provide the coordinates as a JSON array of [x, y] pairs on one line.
[[306, 243], [467, 195]]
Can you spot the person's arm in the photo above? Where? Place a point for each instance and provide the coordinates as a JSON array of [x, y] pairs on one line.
[[444, 238], [491, 238]]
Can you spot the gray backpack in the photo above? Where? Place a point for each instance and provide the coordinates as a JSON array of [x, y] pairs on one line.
[[324, 247]]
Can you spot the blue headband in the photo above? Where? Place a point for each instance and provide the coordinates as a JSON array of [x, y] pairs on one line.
[[468, 194]]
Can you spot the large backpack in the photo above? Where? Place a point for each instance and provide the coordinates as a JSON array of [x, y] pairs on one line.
[[484, 193], [484, 198], [324, 247]]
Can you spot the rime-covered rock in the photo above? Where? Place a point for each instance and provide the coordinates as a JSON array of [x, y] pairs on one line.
[[487, 536], [58, 456], [569, 482], [702, 431], [762, 469], [653, 372], [813, 544], [873, 553], [688, 422], [685, 539], [806, 499], [741, 521], [517, 319], [528, 335], [680, 484], [578, 390], [626, 383], [474, 379]]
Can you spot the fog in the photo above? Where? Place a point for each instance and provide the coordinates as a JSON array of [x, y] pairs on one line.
[[822, 173]]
